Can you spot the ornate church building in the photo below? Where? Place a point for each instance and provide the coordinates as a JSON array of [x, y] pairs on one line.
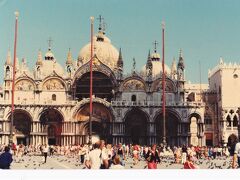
[[52, 102]]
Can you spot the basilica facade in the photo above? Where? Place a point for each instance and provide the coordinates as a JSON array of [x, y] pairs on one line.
[[52, 101]]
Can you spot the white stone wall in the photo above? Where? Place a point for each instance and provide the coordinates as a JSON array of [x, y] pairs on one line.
[[127, 96], [46, 97], [231, 87]]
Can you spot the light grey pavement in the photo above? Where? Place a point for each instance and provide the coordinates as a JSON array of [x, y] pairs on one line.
[[62, 162]]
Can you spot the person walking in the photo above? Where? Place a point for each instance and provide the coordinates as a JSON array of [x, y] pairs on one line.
[[184, 154], [45, 152], [6, 158]]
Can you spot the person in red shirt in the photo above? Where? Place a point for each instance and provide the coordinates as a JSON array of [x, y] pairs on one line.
[[189, 164]]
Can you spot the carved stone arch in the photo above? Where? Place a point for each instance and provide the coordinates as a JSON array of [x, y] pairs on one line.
[[140, 109], [136, 126], [196, 128], [98, 66], [172, 124], [168, 110], [86, 101], [170, 85], [25, 84], [54, 83], [8, 115], [197, 115], [235, 120], [104, 82], [228, 120], [22, 121], [102, 119], [52, 120], [133, 83], [42, 110]]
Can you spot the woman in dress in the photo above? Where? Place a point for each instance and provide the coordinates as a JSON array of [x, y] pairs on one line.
[[152, 157]]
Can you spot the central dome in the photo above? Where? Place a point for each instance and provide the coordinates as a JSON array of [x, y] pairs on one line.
[[103, 49]]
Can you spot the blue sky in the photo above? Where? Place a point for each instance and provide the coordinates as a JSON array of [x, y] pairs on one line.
[[206, 30]]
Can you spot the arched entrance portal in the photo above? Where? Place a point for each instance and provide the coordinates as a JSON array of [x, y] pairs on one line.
[[196, 130], [52, 120], [101, 123], [102, 86], [136, 127], [172, 123], [21, 126]]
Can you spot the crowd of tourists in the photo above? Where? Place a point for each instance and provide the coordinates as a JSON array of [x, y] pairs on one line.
[[107, 156]]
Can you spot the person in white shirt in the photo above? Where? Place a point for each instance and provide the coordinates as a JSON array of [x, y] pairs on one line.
[[97, 158], [45, 152], [116, 163]]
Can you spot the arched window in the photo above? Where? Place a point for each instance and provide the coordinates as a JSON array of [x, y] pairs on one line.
[[7, 72], [235, 121], [134, 98], [229, 123], [54, 97]]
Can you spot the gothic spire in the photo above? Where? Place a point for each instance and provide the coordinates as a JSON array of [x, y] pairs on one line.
[[134, 64], [174, 67], [149, 65], [8, 60], [149, 60], [39, 59], [120, 60], [181, 61], [69, 57]]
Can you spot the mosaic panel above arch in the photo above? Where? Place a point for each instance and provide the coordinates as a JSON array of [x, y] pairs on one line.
[[24, 85], [52, 85], [133, 85], [157, 85]]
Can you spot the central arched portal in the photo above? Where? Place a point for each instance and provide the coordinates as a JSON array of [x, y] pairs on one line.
[[136, 127], [172, 123], [52, 119], [102, 86], [101, 123], [21, 126]]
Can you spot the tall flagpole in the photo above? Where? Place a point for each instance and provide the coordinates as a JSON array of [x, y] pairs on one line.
[[91, 74], [163, 87], [13, 80]]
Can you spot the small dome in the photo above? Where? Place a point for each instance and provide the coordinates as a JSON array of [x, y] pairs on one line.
[[156, 68], [103, 49], [49, 66]]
